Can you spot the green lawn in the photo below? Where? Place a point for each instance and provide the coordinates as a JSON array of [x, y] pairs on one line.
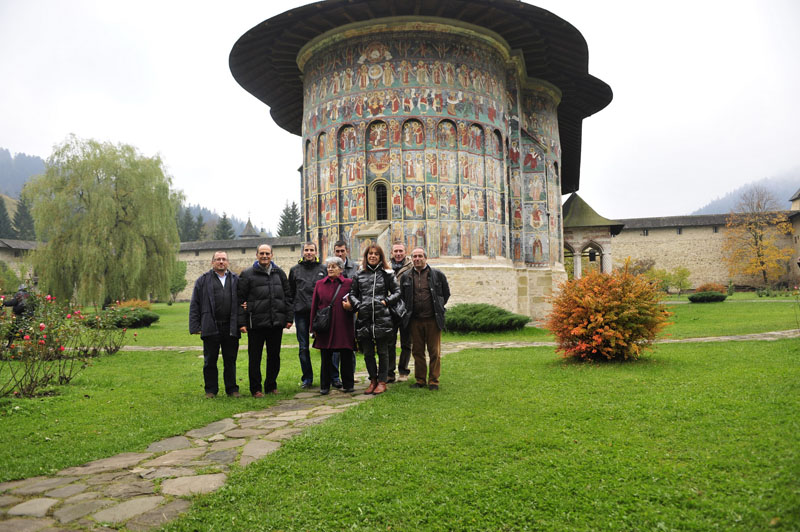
[[694, 437], [695, 320]]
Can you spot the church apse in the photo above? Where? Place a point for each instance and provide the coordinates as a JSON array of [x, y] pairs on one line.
[[419, 125]]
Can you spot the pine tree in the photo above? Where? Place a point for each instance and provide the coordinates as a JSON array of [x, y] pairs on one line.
[[289, 224], [6, 229], [224, 230], [186, 228], [199, 232], [23, 221]]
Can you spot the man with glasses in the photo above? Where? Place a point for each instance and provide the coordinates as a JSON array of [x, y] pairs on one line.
[[214, 316]]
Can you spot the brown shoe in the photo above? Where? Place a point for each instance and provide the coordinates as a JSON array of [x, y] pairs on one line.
[[258, 394], [235, 394], [275, 392], [210, 395], [380, 388], [371, 388]]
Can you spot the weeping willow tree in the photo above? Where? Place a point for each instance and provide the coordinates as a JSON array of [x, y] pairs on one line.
[[105, 218]]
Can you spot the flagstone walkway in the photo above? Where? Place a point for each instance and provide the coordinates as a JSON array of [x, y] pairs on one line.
[[141, 491]]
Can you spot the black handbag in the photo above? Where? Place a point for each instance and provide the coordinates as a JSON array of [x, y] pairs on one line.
[[322, 318]]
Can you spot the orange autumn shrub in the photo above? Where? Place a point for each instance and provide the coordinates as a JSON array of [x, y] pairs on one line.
[[133, 303], [607, 316]]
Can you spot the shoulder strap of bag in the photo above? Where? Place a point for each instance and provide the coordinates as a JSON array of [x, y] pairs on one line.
[[336, 293]]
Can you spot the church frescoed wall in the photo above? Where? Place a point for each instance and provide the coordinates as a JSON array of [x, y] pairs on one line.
[[418, 125]]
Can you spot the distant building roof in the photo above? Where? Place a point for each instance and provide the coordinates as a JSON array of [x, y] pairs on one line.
[[240, 243], [578, 213], [679, 221], [796, 195], [249, 231], [11, 243]]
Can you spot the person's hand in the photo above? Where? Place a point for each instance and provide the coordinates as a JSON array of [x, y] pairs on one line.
[[289, 325], [383, 302], [347, 305], [244, 305], [243, 329]]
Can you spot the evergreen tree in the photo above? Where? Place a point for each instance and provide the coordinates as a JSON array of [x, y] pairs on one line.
[[23, 221], [107, 216], [199, 232], [289, 224], [224, 230], [186, 227], [6, 229]]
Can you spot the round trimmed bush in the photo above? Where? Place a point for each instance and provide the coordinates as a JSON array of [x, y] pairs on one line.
[[481, 317], [607, 316], [707, 297]]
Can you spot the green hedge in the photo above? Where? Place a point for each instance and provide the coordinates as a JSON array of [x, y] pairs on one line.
[[707, 297], [480, 317], [123, 318]]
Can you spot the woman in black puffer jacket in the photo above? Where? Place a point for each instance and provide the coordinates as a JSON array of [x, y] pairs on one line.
[[374, 289]]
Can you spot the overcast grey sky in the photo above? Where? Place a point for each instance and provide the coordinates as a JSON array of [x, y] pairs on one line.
[[706, 96]]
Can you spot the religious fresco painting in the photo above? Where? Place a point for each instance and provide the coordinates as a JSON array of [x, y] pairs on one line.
[[466, 151]]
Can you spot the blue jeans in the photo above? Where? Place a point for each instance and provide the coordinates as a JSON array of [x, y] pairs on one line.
[[302, 322]]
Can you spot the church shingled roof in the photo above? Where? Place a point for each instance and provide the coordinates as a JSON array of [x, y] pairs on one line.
[[264, 60]]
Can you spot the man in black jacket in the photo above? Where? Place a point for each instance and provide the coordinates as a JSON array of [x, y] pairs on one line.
[[265, 309], [302, 278], [401, 264], [425, 292], [213, 315]]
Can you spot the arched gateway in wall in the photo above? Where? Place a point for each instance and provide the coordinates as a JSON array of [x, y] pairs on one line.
[[453, 125]]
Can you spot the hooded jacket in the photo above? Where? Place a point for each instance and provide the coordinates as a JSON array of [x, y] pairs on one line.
[[370, 287], [302, 278], [266, 292]]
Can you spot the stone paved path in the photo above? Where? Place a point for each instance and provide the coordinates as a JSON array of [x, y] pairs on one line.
[[145, 490]]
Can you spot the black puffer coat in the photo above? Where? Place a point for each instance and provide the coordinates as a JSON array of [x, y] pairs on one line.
[[370, 287], [269, 303]]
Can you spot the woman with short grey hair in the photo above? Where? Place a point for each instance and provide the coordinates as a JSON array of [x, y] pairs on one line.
[[340, 336]]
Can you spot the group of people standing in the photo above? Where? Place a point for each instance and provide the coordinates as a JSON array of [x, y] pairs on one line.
[[368, 307]]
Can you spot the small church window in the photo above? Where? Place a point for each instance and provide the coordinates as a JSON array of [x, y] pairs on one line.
[[381, 204], [592, 256], [645, 232], [716, 229], [680, 230]]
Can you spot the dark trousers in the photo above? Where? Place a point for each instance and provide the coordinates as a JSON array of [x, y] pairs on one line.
[[405, 351], [347, 370], [335, 365], [369, 346], [302, 323], [211, 349], [256, 338]]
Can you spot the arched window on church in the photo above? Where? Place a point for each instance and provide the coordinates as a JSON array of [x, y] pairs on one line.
[[378, 201]]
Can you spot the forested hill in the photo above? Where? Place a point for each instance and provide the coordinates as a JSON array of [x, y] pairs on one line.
[[16, 170], [782, 187]]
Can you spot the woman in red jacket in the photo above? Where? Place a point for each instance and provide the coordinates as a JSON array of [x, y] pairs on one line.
[[340, 336]]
